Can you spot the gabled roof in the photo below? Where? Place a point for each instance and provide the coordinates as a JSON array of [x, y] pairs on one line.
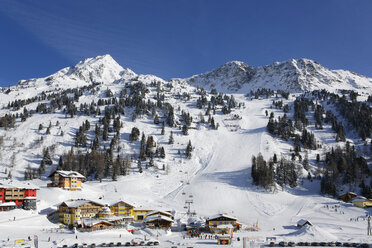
[[219, 216], [157, 217], [121, 201], [77, 203], [94, 221], [303, 222], [159, 213], [67, 174]]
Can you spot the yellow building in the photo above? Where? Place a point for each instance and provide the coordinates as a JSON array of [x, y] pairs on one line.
[[71, 212], [140, 213], [362, 202], [222, 223], [122, 208], [70, 180]]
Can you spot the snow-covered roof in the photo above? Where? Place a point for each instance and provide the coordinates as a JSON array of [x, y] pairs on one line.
[[223, 226], [360, 200], [77, 203], [159, 212], [302, 222], [157, 217], [94, 221], [19, 185], [30, 197], [67, 174], [219, 216], [141, 208], [7, 204], [119, 201]]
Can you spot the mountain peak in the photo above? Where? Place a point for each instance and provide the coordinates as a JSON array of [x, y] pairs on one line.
[[293, 75]]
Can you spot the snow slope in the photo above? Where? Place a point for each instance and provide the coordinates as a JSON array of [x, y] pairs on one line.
[[218, 174], [295, 75]]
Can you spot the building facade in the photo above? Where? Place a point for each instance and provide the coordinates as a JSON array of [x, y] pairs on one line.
[[69, 180], [23, 196], [122, 208], [71, 212]]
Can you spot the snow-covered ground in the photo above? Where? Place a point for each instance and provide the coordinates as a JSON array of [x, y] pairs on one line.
[[217, 177]]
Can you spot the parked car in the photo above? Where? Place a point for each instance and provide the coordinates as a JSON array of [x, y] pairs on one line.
[[103, 245], [291, 244], [283, 243], [150, 243], [364, 245], [156, 242], [314, 244], [93, 245], [307, 243], [112, 244], [323, 244], [118, 244], [272, 244], [65, 246], [346, 244], [331, 244], [84, 245], [127, 244], [76, 245]]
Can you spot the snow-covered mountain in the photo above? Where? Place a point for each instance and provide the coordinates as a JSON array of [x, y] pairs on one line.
[[295, 75], [218, 174]]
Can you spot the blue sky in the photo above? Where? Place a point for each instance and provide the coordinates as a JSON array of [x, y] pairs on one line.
[[180, 38]]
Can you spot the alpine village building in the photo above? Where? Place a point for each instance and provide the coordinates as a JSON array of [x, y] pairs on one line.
[[222, 224], [70, 180], [17, 196]]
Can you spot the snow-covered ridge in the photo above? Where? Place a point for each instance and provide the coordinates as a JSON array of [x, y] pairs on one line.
[[295, 75], [101, 69]]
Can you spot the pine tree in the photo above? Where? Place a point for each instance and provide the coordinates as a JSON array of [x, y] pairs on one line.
[[162, 128], [46, 157], [171, 140], [189, 150], [162, 152], [185, 130], [60, 164], [139, 166], [42, 167]]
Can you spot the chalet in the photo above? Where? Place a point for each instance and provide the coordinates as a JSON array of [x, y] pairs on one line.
[[347, 197], [122, 208], [70, 180], [97, 224], [362, 202], [71, 212], [303, 222], [158, 221], [22, 195], [222, 223], [158, 212]]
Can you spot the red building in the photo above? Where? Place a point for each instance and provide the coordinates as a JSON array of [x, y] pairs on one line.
[[22, 195]]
